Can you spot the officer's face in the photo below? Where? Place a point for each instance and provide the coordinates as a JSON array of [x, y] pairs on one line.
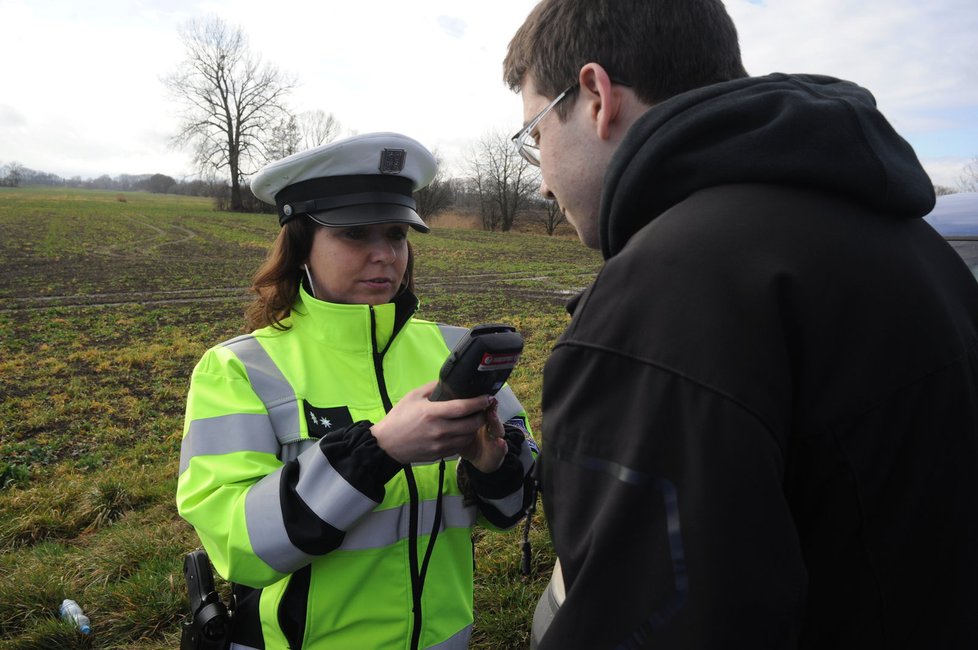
[[359, 265]]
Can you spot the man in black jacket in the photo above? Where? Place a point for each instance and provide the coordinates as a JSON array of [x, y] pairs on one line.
[[761, 426]]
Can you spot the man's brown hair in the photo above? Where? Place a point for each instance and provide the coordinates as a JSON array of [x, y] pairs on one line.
[[658, 47]]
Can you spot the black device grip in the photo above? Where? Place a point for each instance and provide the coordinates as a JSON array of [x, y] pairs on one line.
[[210, 622]]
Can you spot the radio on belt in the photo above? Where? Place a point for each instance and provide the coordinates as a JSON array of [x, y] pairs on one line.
[[480, 362]]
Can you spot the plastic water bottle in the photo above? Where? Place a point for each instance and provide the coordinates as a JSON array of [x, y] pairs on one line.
[[71, 611]]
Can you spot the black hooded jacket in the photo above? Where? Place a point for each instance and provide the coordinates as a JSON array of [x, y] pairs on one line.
[[761, 426]]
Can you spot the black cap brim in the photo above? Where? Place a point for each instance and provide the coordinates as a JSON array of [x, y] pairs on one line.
[[370, 214]]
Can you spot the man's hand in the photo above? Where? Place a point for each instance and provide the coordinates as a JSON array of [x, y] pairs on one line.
[[487, 449]]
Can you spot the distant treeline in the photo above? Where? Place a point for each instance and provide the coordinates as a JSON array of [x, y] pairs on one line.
[[16, 175], [498, 198]]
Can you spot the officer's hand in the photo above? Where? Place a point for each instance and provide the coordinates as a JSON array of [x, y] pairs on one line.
[[487, 449], [419, 430]]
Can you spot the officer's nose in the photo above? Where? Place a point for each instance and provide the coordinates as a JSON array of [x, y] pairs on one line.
[[384, 251]]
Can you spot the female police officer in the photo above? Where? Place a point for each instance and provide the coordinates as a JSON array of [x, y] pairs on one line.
[[310, 464]]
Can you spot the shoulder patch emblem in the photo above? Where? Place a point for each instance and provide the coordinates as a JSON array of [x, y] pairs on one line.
[[323, 420]]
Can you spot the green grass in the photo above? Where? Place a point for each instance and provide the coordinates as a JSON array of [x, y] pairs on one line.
[[105, 306]]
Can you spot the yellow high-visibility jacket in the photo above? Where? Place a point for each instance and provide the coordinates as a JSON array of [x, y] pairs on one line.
[[324, 536]]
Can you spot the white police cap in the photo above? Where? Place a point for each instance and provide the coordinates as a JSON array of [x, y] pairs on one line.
[[362, 180]]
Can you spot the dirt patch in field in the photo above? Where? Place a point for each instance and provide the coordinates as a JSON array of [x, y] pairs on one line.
[[179, 266]]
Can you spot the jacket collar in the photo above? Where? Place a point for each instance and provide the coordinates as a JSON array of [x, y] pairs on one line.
[[350, 327]]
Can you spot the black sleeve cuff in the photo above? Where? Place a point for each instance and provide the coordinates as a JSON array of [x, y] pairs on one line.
[[354, 453], [505, 480]]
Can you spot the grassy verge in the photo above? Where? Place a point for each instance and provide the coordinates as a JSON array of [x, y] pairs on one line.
[[105, 306]]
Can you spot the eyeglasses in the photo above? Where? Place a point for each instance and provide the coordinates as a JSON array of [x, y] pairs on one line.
[[525, 141]]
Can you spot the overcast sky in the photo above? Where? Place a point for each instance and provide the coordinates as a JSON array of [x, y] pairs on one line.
[[80, 90]]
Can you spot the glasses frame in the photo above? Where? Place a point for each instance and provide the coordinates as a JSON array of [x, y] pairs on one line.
[[531, 152]]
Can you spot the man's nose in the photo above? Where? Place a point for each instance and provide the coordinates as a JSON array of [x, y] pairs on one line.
[[545, 191]]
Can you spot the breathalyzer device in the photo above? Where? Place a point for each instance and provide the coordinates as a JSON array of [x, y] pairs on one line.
[[480, 362]]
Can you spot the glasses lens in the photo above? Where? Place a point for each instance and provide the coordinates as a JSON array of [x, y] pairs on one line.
[[530, 152], [526, 145], [525, 142]]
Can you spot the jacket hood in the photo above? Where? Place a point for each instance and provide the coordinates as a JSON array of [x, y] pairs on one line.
[[804, 130]]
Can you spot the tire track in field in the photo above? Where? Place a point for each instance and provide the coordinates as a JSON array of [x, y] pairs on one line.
[[527, 284], [140, 246], [122, 298], [542, 288]]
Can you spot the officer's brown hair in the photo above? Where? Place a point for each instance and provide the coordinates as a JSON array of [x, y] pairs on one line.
[[658, 47], [276, 282]]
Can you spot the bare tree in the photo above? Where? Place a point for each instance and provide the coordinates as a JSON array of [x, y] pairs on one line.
[[317, 127], [13, 174], [284, 139], [551, 216], [231, 100], [437, 195], [969, 177], [160, 183], [504, 181]]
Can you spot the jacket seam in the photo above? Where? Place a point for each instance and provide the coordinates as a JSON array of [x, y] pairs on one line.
[[880, 399], [661, 366]]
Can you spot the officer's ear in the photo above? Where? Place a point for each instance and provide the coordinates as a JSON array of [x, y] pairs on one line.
[[312, 285]]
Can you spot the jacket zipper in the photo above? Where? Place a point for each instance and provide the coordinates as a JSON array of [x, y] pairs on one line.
[[416, 585]]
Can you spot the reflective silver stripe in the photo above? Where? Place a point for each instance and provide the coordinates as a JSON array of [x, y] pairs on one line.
[[266, 526], [238, 646], [451, 334], [458, 641], [271, 387], [227, 434], [509, 406], [526, 457], [293, 450], [382, 528], [508, 506], [328, 494]]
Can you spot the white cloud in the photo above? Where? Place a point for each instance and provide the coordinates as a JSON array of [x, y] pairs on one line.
[[914, 56], [11, 118], [88, 90], [945, 171], [454, 27], [85, 98]]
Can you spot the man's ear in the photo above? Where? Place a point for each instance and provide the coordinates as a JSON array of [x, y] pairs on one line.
[[604, 101]]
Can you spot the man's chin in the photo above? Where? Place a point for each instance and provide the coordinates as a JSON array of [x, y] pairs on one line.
[[586, 232], [589, 237]]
